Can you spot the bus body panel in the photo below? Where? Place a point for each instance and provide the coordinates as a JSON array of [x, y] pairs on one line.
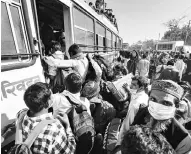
[[13, 86]]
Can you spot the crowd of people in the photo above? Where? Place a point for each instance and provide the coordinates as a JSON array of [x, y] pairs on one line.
[[79, 109]]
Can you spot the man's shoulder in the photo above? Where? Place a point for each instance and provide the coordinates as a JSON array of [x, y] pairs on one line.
[[144, 95]]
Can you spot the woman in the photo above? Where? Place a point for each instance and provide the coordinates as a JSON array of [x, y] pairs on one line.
[[162, 62], [132, 63]]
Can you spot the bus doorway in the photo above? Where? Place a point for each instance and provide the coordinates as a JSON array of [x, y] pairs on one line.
[[54, 25]]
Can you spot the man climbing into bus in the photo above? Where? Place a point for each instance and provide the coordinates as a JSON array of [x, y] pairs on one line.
[[65, 102], [78, 61]]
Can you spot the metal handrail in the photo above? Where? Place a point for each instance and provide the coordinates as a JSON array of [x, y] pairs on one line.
[[96, 46], [17, 55]]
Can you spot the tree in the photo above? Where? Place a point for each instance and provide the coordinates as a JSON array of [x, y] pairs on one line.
[[143, 45], [176, 32]]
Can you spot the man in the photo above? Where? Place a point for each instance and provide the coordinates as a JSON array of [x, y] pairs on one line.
[[78, 62], [62, 40], [143, 66], [181, 66], [74, 86], [187, 76], [47, 34], [184, 111], [54, 138], [159, 115], [138, 84], [170, 73], [61, 104]]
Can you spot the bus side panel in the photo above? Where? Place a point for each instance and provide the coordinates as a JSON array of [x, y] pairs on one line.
[[13, 85]]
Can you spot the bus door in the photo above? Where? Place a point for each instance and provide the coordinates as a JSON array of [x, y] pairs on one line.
[[54, 21]]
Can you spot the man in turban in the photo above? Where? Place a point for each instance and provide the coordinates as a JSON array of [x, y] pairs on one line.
[[159, 115]]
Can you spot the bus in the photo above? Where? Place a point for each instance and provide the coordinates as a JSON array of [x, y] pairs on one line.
[[169, 46], [21, 48]]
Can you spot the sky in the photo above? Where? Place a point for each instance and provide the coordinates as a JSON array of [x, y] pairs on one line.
[[143, 19]]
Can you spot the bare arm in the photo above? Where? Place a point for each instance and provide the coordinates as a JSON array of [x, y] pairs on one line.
[[60, 63]]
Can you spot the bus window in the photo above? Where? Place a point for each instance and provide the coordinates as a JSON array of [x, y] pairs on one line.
[[114, 41], [13, 36], [83, 30], [7, 42], [100, 31], [18, 30], [108, 39], [18, 1]]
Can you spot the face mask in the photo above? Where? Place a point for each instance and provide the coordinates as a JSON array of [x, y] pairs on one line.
[[161, 112], [133, 91]]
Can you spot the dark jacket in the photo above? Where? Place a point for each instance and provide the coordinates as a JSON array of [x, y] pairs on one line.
[[170, 73], [132, 64]]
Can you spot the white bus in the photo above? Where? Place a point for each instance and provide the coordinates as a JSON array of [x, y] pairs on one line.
[[169, 46], [21, 23]]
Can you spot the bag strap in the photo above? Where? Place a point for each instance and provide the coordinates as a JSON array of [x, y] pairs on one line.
[[37, 130], [18, 135], [71, 102]]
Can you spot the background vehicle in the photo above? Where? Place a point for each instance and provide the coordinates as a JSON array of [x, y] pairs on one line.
[[21, 48], [169, 46]]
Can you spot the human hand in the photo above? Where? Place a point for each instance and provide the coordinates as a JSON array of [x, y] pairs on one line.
[[63, 118], [8, 130], [125, 86], [49, 61]]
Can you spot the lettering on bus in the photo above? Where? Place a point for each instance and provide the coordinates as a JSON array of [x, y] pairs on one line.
[[22, 85]]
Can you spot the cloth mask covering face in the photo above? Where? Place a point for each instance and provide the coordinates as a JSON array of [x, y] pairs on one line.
[[161, 112]]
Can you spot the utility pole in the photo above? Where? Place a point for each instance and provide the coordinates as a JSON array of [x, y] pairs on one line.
[[187, 32]]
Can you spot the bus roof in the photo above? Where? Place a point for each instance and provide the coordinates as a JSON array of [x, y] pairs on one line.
[[101, 18], [171, 42]]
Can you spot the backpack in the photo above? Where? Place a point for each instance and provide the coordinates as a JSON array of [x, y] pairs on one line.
[[111, 135], [107, 70], [80, 120], [24, 147], [103, 113]]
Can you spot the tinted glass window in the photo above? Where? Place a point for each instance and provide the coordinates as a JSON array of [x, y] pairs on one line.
[[100, 30], [80, 36], [18, 29], [7, 42]]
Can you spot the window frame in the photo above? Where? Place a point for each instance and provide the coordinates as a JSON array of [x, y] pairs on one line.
[[23, 28], [83, 28], [100, 35], [26, 29], [95, 47], [109, 31]]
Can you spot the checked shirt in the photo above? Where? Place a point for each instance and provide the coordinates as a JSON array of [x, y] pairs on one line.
[[52, 140]]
